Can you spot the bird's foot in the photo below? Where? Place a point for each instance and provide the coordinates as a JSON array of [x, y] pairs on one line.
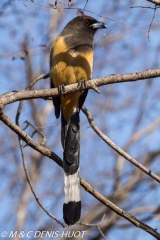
[[61, 89], [81, 85]]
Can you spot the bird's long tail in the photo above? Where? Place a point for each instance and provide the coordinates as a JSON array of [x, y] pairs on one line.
[[70, 137]]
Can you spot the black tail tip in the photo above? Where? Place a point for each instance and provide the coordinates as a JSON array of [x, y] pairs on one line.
[[71, 212]]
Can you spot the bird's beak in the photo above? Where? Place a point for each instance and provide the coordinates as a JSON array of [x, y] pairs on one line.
[[98, 25]]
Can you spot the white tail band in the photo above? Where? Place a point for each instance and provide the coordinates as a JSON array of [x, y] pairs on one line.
[[72, 187]]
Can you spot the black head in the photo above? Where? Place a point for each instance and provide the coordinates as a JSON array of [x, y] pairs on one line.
[[79, 32], [84, 25]]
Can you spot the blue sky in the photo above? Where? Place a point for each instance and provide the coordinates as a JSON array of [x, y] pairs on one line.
[[119, 49]]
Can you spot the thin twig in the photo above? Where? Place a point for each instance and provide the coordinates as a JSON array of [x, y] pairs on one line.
[[85, 5], [95, 225], [43, 76], [31, 187], [84, 184], [143, 7], [101, 233], [154, 13], [69, 8], [155, 8], [48, 126], [36, 130], [116, 148], [92, 225], [144, 132]]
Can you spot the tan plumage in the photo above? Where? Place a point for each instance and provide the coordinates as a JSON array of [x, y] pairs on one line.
[[67, 67]]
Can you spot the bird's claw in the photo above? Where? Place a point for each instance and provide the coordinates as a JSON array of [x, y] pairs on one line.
[[81, 85], [61, 89]]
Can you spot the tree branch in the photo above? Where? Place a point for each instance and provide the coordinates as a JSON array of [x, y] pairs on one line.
[[31, 187], [118, 210], [42, 76], [118, 149], [91, 84], [45, 93], [95, 225], [83, 183], [44, 140]]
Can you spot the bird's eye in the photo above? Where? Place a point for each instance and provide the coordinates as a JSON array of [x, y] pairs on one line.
[[87, 22]]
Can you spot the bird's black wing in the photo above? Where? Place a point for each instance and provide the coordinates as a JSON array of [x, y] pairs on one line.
[[56, 102], [82, 98]]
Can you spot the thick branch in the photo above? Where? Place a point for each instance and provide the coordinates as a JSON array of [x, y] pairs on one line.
[[83, 183], [45, 93], [92, 84]]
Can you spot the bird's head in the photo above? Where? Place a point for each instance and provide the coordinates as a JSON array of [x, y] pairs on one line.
[[84, 25]]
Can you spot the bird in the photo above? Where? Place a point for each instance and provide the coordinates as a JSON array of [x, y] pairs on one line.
[[71, 61]]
